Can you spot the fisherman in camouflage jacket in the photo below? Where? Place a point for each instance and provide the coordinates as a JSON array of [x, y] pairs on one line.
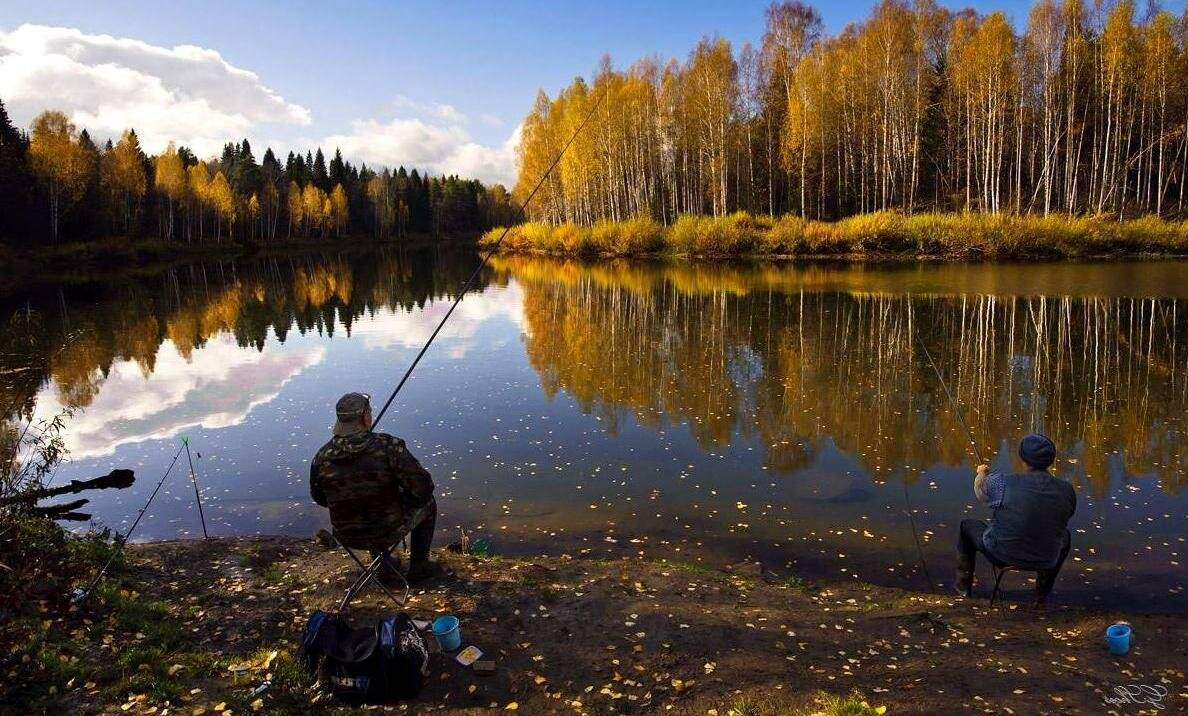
[[375, 489]]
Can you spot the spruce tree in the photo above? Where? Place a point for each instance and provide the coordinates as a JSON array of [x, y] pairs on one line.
[[338, 170], [15, 197], [321, 178], [245, 174]]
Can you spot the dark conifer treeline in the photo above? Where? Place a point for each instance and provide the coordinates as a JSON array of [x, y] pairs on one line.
[[57, 184]]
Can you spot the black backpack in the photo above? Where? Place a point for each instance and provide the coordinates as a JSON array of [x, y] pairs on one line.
[[387, 661]]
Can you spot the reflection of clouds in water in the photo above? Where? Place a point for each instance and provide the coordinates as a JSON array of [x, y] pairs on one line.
[[216, 388], [387, 329]]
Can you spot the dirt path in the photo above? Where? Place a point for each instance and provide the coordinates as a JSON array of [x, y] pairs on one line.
[[585, 636]]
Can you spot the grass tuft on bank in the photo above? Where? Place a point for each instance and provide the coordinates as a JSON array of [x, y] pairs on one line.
[[884, 233]]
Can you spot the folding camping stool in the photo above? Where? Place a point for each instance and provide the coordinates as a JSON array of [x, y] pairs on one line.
[[1000, 570], [371, 569], [370, 573]]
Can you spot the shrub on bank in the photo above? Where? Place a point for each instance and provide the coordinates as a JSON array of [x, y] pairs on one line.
[[787, 235], [969, 235], [733, 235], [633, 237]]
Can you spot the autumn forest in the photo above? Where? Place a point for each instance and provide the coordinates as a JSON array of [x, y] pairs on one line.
[[56, 183], [1074, 109]]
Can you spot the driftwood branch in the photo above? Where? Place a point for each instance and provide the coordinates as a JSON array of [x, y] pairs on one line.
[[73, 516], [64, 511], [116, 479]]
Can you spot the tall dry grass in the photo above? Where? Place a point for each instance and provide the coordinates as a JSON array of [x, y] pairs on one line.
[[884, 233]]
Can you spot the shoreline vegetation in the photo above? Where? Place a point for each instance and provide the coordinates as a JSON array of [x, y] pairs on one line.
[[197, 626], [885, 234], [120, 255]]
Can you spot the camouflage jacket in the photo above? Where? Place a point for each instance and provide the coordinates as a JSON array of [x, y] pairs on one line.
[[371, 483]]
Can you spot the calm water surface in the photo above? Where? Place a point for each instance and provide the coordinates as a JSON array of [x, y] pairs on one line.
[[705, 412]]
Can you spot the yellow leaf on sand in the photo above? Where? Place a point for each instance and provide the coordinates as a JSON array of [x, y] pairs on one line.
[[257, 704], [222, 706], [880, 710], [513, 706], [540, 680]]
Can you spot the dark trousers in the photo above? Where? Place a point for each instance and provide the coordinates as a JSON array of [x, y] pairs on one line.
[[420, 536], [969, 543]]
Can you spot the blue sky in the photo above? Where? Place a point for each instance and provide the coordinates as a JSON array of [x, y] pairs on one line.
[[435, 84]]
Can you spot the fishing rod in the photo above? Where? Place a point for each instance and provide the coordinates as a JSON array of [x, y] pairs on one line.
[[956, 406], [915, 535], [486, 257], [972, 442], [194, 479], [124, 540]]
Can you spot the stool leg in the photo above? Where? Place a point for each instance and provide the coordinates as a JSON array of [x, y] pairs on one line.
[[998, 575], [360, 581]]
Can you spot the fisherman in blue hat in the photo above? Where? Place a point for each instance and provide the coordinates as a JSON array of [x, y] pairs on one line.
[[1029, 528]]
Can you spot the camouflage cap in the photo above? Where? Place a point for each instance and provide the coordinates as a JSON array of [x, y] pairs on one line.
[[350, 409]]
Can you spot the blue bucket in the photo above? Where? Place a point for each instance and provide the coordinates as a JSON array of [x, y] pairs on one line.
[[447, 633], [1118, 638]]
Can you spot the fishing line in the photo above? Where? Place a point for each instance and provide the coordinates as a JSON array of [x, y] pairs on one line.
[[915, 536], [124, 540], [956, 406], [487, 257], [973, 443]]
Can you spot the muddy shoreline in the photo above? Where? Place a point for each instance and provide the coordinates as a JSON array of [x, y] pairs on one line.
[[572, 634]]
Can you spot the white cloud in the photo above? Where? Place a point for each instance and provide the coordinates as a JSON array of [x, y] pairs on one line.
[[215, 388], [107, 84], [193, 96], [449, 114], [431, 110], [442, 147], [387, 329]]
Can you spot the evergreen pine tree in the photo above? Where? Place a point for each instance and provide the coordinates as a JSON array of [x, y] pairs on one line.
[[188, 159], [321, 178], [15, 197], [245, 173], [338, 170]]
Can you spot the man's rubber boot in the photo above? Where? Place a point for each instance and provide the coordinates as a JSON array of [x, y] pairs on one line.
[[963, 583], [1043, 587], [423, 569], [389, 572]]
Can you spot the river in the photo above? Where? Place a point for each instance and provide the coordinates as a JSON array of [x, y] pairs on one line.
[[706, 412]]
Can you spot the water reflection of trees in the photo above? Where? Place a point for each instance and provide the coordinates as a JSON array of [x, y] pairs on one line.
[[761, 353], [73, 335]]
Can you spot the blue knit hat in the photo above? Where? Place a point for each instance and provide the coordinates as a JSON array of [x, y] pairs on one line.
[[1037, 451]]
